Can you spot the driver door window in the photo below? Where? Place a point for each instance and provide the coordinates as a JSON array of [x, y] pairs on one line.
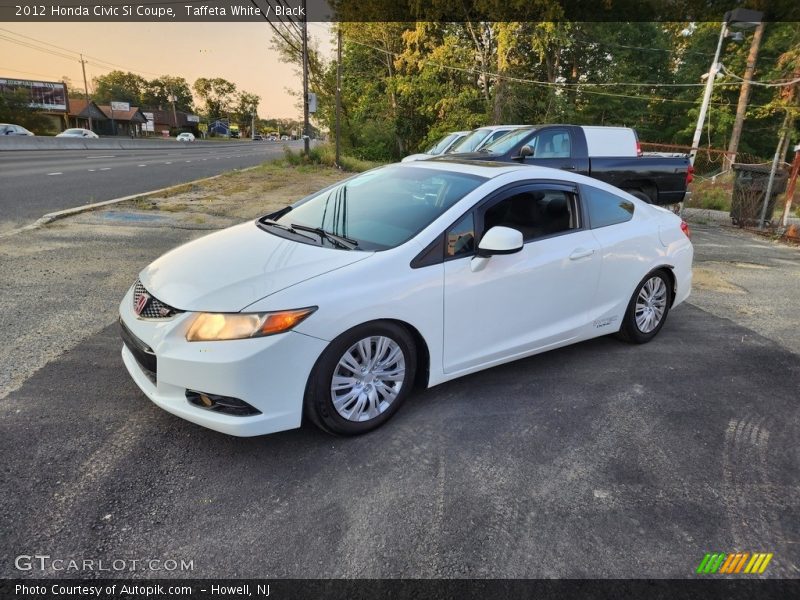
[[538, 213]]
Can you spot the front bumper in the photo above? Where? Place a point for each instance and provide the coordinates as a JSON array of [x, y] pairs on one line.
[[269, 373]]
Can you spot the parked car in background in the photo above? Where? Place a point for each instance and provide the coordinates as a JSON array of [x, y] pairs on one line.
[[284, 138], [77, 132], [258, 138], [610, 154], [440, 147], [11, 129], [406, 276], [185, 137], [482, 136]]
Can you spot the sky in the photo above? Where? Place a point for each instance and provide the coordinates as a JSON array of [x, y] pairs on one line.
[[238, 52]]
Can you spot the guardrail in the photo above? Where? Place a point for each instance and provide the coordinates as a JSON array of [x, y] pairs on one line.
[[19, 142]]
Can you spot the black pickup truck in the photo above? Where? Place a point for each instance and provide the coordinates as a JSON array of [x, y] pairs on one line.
[[610, 154]]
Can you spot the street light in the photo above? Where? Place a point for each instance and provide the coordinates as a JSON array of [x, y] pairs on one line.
[[740, 18]]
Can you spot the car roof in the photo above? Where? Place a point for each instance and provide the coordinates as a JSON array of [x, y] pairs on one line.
[[485, 169], [492, 169]]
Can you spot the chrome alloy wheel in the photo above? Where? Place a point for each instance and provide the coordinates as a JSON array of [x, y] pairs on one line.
[[651, 304], [368, 378]]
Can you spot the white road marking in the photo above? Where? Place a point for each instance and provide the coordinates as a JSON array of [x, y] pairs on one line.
[[104, 156], [187, 161], [92, 170], [59, 173], [167, 163], [106, 169], [142, 165]]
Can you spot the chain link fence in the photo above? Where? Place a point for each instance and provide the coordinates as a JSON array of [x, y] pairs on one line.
[[718, 185]]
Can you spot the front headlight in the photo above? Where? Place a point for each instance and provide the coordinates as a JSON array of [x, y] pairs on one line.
[[209, 327]]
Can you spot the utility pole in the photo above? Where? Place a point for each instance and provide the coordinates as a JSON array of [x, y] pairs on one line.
[[775, 159], [791, 186], [86, 91], [744, 96], [338, 90], [712, 73], [172, 98], [305, 80]]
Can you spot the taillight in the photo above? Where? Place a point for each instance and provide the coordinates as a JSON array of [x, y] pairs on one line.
[[685, 229], [689, 174], [638, 148]]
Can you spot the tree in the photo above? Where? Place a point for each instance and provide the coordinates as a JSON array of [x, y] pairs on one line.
[[217, 94], [246, 106], [119, 86], [158, 92], [14, 108]]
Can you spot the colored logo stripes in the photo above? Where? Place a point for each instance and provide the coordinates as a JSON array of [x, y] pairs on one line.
[[741, 562]]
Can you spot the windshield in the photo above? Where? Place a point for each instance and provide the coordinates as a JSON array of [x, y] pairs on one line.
[[472, 141], [442, 144], [508, 141], [382, 208]]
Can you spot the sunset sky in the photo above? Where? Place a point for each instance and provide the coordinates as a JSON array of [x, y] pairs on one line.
[[238, 52]]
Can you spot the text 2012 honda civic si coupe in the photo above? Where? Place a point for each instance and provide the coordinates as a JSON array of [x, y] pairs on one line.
[[408, 275]]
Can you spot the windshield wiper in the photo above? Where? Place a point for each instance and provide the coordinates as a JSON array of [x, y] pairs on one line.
[[341, 241], [291, 228]]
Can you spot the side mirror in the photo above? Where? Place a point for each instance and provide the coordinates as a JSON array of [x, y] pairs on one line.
[[525, 151], [500, 240]]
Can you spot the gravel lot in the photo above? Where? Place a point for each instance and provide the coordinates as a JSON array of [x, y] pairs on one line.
[[643, 458]]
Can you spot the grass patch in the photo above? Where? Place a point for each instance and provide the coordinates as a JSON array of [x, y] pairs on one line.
[[710, 196], [326, 155]]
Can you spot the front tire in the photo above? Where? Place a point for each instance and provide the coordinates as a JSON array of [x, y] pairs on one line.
[[361, 378], [648, 309]]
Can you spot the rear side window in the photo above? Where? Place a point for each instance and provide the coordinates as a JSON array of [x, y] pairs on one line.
[[606, 208]]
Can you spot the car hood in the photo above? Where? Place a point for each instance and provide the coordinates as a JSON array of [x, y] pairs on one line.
[[230, 269]]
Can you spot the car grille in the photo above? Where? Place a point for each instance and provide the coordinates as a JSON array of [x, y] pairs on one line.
[[143, 354], [153, 308]]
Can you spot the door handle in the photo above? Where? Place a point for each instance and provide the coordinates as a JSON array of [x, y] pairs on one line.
[[580, 253], [569, 168]]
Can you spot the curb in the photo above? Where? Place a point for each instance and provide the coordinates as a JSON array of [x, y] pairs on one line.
[[68, 212]]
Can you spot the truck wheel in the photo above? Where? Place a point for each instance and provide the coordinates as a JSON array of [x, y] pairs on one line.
[[640, 195]]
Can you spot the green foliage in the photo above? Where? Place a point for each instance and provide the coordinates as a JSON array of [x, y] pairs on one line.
[[404, 85], [246, 106], [14, 109], [711, 197], [326, 155], [217, 94], [158, 92], [119, 86]]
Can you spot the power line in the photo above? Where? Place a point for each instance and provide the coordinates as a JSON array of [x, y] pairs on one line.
[[762, 83], [276, 30], [61, 55], [28, 73], [548, 84]]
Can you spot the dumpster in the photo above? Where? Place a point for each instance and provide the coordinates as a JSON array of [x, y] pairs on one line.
[[749, 189]]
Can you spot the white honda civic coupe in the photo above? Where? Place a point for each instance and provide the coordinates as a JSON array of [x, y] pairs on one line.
[[409, 275]]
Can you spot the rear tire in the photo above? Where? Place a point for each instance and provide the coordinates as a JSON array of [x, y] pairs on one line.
[[640, 195], [648, 309], [361, 379]]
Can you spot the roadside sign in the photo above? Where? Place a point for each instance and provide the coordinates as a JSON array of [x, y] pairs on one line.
[[312, 102], [121, 106]]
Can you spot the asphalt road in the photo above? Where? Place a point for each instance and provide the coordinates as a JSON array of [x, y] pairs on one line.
[[598, 460], [38, 182]]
